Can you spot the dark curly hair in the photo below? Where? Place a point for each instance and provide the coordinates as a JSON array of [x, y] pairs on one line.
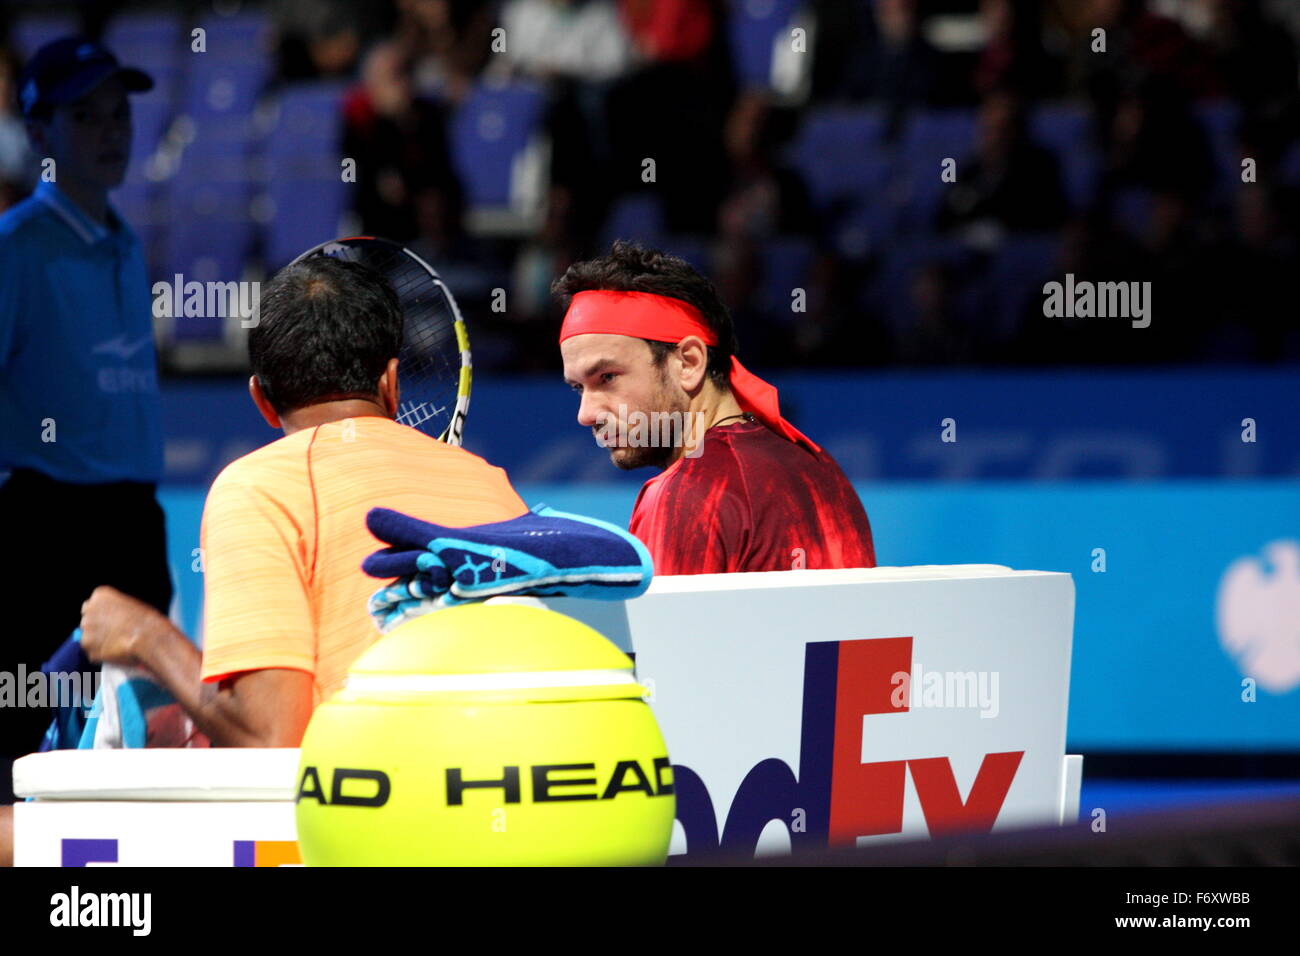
[[326, 331], [630, 267]]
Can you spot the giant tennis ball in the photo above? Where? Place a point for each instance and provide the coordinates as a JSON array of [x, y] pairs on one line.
[[482, 735]]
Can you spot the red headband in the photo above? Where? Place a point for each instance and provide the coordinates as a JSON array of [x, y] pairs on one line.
[[661, 318]]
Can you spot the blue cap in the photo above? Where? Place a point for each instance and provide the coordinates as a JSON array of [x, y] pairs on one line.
[[66, 69]]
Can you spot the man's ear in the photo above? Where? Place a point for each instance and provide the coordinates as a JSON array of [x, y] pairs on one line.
[[693, 362], [389, 392], [263, 404]]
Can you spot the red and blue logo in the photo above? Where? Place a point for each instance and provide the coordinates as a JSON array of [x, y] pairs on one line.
[[842, 798]]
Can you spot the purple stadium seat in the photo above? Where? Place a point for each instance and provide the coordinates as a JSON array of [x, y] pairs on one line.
[[929, 139], [1220, 119], [1067, 132], [1289, 168], [305, 196], [786, 264], [1020, 267], [830, 148], [1131, 210], [141, 198], [848, 170], [753, 26], [488, 132], [29, 34], [889, 295], [638, 216], [150, 40], [694, 249], [241, 36]]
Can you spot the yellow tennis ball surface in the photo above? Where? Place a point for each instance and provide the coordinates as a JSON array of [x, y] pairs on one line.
[[485, 735]]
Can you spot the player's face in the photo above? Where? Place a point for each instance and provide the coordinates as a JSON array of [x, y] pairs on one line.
[[90, 139], [616, 378]]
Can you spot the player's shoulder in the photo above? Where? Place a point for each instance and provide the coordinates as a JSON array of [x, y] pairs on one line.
[[263, 471], [740, 448], [23, 221], [406, 445], [757, 458]]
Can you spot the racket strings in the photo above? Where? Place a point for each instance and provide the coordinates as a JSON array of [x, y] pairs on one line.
[[429, 364]]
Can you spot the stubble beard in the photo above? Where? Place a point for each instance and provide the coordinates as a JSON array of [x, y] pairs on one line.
[[666, 400]]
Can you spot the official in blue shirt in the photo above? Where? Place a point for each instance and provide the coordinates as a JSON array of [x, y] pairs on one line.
[[80, 429]]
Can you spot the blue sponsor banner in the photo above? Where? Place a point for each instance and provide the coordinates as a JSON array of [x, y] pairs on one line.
[[1058, 425], [1200, 590]]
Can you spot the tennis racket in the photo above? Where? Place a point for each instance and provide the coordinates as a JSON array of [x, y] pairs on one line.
[[433, 367]]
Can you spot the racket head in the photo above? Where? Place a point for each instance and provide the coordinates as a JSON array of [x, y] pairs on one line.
[[434, 366]]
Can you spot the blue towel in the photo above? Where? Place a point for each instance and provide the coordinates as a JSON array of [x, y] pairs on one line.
[[129, 709], [545, 552], [70, 716]]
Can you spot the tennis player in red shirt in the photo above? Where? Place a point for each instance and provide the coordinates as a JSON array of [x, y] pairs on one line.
[[647, 340]]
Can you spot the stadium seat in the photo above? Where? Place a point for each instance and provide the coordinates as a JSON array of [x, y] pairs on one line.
[[841, 155], [1131, 210], [786, 265], [155, 43], [211, 231], [1067, 132], [493, 135], [1289, 168], [929, 139], [242, 36], [829, 148], [222, 85], [305, 196], [890, 295], [694, 249], [1020, 267], [753, 28], [140, 199], [1221, 119], [29, 34], [638, 216]]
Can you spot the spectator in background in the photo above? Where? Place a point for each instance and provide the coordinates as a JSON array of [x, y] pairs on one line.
[[1256, 58], [566, 39], [1139, 44], [1092, 250], [321, 39], [935, 336], [543, 256], [1014, 57], [768, 200], [673, 108], [18, 165], [399, 141], [450, 41], [1153, 142], [878, 54], [1254, 272], [1181, 258], [579, 49], [1009, 184]]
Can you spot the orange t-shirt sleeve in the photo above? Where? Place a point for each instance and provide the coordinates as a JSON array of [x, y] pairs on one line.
[[257, 612]]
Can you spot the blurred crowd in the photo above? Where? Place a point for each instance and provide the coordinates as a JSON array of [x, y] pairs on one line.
[[1161, 199]]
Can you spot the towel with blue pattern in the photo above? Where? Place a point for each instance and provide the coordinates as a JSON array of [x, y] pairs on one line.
[[129, 709], [543, 552]]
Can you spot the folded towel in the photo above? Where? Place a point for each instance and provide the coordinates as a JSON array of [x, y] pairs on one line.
[[544, 552]]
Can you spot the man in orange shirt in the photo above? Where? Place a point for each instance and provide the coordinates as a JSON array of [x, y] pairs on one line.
[[284, 529]]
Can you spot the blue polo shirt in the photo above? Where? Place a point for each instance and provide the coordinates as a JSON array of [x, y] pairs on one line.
[[78, 372]]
